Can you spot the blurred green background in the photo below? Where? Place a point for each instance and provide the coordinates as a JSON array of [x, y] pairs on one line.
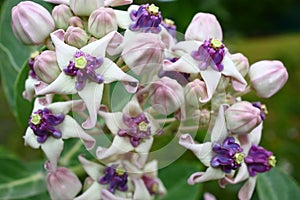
[[261, 30]]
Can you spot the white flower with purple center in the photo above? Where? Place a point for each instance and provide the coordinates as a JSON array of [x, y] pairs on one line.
[[49, 124], [84, 71]]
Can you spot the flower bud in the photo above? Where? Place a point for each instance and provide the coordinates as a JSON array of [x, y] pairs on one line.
[[194, 91], [61, 15], [241, 63], [76, 37], [85, 7], [62, 184], [242, 117], [31, 23], [46, 67], [76, 22], [267, 77], [165, 95], [102, 21]]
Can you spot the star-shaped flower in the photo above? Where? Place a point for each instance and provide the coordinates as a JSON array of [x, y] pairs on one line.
[[84, 71]]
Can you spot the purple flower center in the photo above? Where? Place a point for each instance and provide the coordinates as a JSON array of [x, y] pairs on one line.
[[259, 160], [83, 67], [43, 123], [210, 53], [229, 155], [115, 177], [138, 128], [146, 19], [170, 26], [263, 109], [151, 184]]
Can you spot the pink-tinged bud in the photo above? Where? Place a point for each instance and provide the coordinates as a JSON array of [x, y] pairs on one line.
[[31, 23], [165, 95], [102, 21], [242, 117], [46, 67], [241, 63], [194, 91], [62, 184], [85, 7], [144, 53], [76, 22], [61, 15], [76, 37], [267, 77]]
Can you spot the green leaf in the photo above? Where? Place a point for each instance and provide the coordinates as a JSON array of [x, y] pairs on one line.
[[175, 178], [277, 185], [20, 181]]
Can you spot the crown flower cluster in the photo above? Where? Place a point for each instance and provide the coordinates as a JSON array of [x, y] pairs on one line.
[[117, 80]]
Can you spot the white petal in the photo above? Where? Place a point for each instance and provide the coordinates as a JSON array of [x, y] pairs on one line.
[[202, 151], [53, 147], [106, 195], [63, 84], [209, 174], [144, 146], [211, 79], [92, 169], [187, 46], [65, 107], [92, 193], [31, 139], [219, 132], [64, 52], [151, 168], [114, 121], [71, 129], [185, 64], [140, 190], [120, 145], [98, 47], [133, 108], [92, 96], [117, 2], [246, 191], [123, 18]]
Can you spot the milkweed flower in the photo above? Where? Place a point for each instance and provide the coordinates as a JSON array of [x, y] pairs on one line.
[[84, 71], [50, 123]]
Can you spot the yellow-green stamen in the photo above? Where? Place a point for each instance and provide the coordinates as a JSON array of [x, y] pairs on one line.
[[154, 187], [143, 126], [152, 9], [36, 119], [120, 171], [169, 22], [239, 158], [216, 44], [34, 54], [80, 62], [272, 161]]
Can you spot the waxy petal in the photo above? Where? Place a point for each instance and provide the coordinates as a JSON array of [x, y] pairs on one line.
[[132, 108], [71, 129], [140, 191], [202, 151], [219, 132], [93, 192], [185, 64], [123, 18], [117, 2], [92, 96], [144, 147], [209, 174], [106, 195], [242, 175], [66, 106], [211, 79], [58, 1], [248, 188], [114, 121], [53, 148], [31, 139], [92, 169], [186, 46]]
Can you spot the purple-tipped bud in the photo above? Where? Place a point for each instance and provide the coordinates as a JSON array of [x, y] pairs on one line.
[[242, 117], [85, 7], [76, 37], [62, 184], [102, 21], [194, 91], [267, 77], [76, 22], [241, 63], [166, 95], [31, 23], [46, 67], [61, 15]]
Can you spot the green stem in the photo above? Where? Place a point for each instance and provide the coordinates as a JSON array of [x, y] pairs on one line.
[[22, 181], [67, 157]]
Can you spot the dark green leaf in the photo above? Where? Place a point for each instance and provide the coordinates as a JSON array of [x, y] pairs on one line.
[[277, 185]]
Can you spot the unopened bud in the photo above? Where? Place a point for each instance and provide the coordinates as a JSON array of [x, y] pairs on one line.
[[194, 91], [61, 15], [267, 77], [166, 95], [46, 67], [85, 7], [241, 63], [102, 21], [76, 22], [242, 117], [76, 37], [31, 23]]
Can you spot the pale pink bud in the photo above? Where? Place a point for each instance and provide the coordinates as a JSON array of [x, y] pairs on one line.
[[46, 67], [85, 7], [62, 184], [241, 63], [144, 53], [31, 23], [267, 77], [242, 117], [61, 15], [165, 95], [76, 22], [194, 91], [102, 21], [76, 37]]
